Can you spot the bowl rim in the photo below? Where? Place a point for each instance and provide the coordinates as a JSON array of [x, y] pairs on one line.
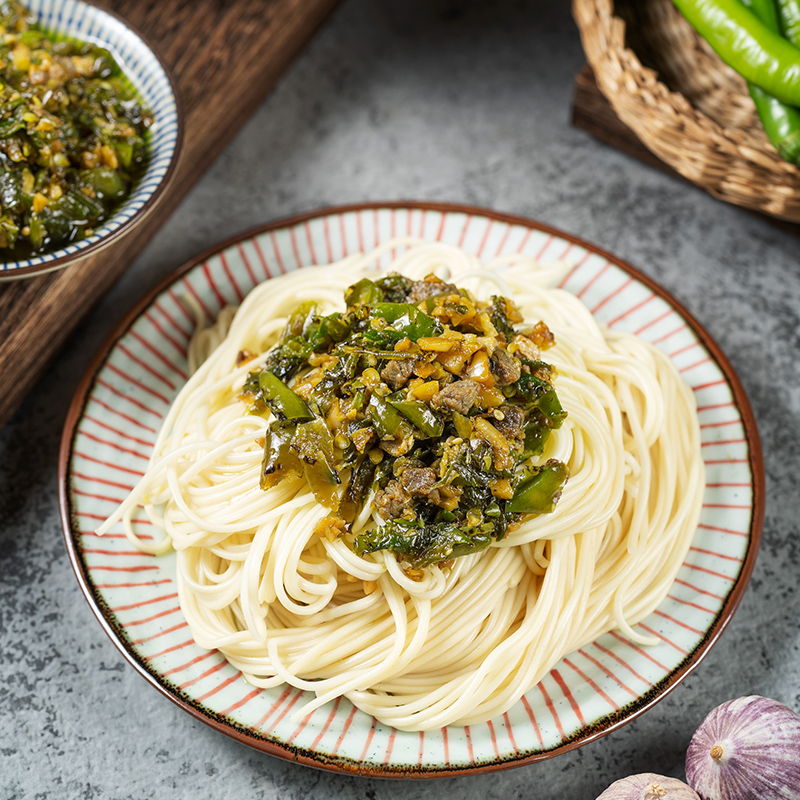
[[285, 751], [59, 261]]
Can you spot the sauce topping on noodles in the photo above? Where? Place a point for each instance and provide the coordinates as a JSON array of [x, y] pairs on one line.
[[421, 398]]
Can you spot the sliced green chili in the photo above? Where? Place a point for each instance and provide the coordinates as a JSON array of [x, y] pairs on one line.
[[419, 415], [365, 292], [407, 319], [282, 401], [387, 420], [357, 489], [539, 493], [781, 122]]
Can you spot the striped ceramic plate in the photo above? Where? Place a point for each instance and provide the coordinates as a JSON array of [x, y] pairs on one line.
[[89, 23], [127, 390]]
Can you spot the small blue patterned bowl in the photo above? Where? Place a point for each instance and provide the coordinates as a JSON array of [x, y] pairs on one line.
[[89, 23]]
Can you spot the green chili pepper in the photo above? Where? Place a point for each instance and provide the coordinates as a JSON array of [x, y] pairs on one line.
[[313, 443], [536, 436], [357, 489], [789, 13], [387, 421], [550, 407], [766, 11], [108, 185], [282, 401], [333, 328], [278, 459], [365, 292], [419, 415], [781, 122], [539, 493], [305, 448], [11, 126], [408, 319], [9, 231], [542, 400], [125, 151], [38, 234], [299, 320], [394, 287], [746, 44]]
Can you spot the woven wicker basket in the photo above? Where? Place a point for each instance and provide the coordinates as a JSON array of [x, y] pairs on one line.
[[687, 106]]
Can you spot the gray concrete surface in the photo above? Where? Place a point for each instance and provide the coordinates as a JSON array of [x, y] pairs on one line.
[[414, 99]]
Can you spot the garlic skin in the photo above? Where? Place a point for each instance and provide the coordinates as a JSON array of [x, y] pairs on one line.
[[648, 786], [746, 749]]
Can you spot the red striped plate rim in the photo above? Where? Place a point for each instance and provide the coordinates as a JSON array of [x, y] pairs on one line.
[[127, 388]]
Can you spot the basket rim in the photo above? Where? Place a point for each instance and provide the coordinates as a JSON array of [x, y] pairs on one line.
[[734, 164]]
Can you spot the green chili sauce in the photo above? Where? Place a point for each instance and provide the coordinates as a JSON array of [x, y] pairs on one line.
[[422, 397], [73, 137]]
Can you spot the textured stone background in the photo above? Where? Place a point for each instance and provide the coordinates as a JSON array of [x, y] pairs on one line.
[[404, 99]]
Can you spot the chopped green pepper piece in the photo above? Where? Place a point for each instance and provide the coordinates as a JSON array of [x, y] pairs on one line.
[[395, 287], [365, 292], [282, 401], [408, 319], [420, 415], [357, 490], [300, 319], [305, 448], [107, 184], [536, 436], [278, 461], [314, 445], [539, 493], [125, 152], [8, 231], [387, 420]]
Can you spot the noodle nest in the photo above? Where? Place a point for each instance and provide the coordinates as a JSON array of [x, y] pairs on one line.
[[463, 644]]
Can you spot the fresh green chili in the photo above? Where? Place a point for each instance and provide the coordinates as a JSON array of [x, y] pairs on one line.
[[781, 122], [789, 13], [746, 44]]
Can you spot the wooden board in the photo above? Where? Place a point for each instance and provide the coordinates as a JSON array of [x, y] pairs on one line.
[[225, 56], [593, 113]]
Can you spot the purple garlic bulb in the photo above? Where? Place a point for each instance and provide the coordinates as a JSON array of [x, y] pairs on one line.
[[648, 786], [746, 749]]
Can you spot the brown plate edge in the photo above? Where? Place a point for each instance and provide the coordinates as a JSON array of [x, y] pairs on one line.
[[151, 202], [346, 766]]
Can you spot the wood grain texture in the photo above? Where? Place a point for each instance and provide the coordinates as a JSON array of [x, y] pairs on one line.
[[593, 113], [225, 55]]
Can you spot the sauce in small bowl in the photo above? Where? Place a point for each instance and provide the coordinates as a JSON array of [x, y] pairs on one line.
[[89, 132]]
